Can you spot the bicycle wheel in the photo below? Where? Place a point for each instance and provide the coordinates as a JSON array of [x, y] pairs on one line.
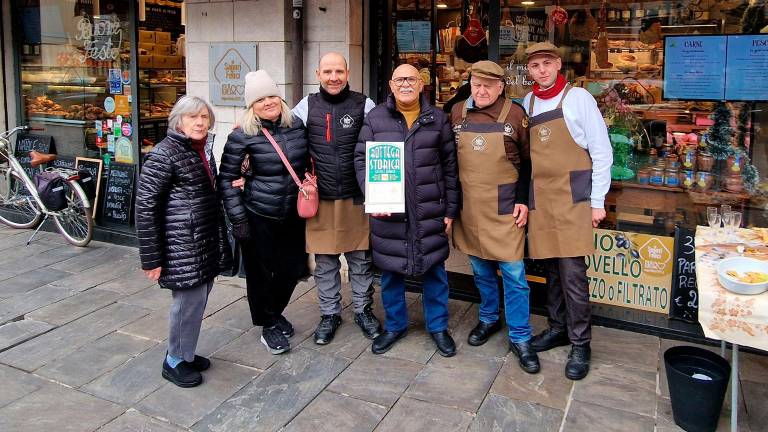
[[75, 222], [17, 207]]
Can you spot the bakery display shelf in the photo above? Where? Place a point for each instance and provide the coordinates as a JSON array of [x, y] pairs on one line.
[[57, 120], [160, 85], [85, 88]]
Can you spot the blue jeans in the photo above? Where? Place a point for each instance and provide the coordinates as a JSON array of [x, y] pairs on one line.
[[434, 299], [516, 295]]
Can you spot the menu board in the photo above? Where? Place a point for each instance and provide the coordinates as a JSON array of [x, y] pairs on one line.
[[94, 168], [119, 194], [693, 67], [720, 68], [746, 64], [413, 36], [26, 143], [685, 292]]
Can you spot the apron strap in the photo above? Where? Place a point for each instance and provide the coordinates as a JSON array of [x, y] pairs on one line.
[[464, 111], [530, 105], [505, 111], [565, 93]]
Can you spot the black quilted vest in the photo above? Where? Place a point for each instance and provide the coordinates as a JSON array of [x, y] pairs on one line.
[[334, 123]]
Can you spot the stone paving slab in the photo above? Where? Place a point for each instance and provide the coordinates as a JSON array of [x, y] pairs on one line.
[[277, 396], [497, 346], [17, 384], [376, 378], [95, 254], [14, 246], [134, 421], [74, 307], [639, 351], [222, 296], [549, 387], [17, 332], [28, 281], [247, 350], [587, 417], [16, 307], [99, 274], [499, 413], [213, 338], [237, 316], [619, 387], [132, 381], [153, 298], [64, 340], [95, 359], [127, 284], [753, 366], [348, 342], [186, 407], [57, 408], [38, 261], [469, 376], [756, 404], [411, 415], [153, 326], [333, 412]]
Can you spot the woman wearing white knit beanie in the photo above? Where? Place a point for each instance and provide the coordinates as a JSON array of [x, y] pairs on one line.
[[264, 217]]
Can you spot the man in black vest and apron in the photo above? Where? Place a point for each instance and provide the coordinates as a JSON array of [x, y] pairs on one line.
[[571, 160], [494, 174], [333, 118]]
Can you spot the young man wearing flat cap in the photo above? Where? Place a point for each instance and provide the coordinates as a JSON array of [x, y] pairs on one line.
[[571, 160], [494, 175]]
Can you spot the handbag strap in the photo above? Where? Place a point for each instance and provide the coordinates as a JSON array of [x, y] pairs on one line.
[[282, 157]]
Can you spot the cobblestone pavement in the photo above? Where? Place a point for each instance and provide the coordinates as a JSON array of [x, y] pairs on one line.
[[82, 341]]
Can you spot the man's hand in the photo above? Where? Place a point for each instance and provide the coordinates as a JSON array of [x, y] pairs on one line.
[[381, 215], [448, 224], [239, 183], [520, 213], [598, 214], [153, 274]]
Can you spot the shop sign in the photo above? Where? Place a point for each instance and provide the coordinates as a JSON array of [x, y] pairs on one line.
[[521, 29], [101, 38], [115, 80], [228, 65], [385, 183], [631, 270]]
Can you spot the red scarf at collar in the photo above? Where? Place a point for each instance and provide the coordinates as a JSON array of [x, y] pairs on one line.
[[551, 92]]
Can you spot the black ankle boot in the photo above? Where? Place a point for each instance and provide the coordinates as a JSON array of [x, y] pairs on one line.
[[482, 332], [578, 362], [446, 347], [550, 338], [526, 356]]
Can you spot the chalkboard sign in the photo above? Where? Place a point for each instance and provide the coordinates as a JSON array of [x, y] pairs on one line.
[[119, 194], [28, 142], [94, 168], [685, 293], [167, 18], [63, 162]]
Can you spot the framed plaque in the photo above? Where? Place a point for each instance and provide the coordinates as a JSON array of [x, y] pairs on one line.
[[384, 177]]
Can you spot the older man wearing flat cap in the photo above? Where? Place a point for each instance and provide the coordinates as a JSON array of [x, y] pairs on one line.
[[494, 173], [571, 162]]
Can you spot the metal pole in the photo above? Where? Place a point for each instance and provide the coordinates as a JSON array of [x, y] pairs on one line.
[[735, 389], [297, 71], [722, 349]]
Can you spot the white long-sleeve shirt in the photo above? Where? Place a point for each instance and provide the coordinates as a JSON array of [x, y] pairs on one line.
[[587, 127]]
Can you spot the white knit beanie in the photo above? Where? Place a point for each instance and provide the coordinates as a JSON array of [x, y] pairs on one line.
[[259, 85]]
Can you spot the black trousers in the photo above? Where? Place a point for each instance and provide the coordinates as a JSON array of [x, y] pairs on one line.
[[274, 259], [568, 297]]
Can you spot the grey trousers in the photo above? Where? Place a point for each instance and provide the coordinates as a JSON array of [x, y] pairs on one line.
[[328, 281], [185, 320], [568, 297]]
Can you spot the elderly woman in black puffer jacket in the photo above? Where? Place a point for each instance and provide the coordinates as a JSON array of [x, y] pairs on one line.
[[180, 228], [264, 217]]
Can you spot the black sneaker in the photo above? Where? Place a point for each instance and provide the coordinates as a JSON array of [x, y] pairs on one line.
[[285, 326], [326, 329], [368, 323], [200, 363], [274, 339], [183, 375]]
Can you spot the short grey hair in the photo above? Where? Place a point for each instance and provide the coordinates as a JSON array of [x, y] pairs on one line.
[[189, 105]]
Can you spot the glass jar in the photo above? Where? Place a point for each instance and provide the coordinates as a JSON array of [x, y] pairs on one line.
[[704, 181], [626, 15], [734, 163], [656, 177], [643, 176], [733, 183], [671, 177], [689, 157], [704, 161], [687, 179]]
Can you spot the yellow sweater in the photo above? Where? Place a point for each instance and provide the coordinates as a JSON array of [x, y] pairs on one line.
[[410, 112]]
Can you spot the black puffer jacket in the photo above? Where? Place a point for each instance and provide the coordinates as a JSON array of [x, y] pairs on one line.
[[412, 242], [270, 190], [179, 219], [334, 123]]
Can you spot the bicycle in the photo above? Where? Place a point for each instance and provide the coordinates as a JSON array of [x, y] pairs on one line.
[[20, 203]]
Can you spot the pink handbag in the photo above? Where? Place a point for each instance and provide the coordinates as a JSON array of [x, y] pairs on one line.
[[308, 200]]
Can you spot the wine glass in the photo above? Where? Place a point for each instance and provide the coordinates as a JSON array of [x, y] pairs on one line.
[[735, 222], [713, 219], [710, 212], [725, 208]]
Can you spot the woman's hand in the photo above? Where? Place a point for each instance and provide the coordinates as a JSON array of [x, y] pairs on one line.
[[153, 274], [381, 215], [239, 183]]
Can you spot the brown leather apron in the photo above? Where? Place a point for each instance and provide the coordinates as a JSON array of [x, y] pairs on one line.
[[485, 227], [560, 217], [339, 226]]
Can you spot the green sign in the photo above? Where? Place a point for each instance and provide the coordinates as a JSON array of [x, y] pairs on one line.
[[384, 163]]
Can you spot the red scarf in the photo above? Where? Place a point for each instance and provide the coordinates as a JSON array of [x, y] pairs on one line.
[[551, 92], [199, 147]]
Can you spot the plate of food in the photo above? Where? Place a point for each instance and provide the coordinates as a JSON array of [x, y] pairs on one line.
[[743, 275]]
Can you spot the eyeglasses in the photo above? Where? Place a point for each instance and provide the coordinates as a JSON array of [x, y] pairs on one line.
[[400, 81]]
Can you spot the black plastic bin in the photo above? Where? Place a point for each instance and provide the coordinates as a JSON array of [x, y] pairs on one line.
[[696, 402]]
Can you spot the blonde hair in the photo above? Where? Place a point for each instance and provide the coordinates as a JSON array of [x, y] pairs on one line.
[[251, 123]]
